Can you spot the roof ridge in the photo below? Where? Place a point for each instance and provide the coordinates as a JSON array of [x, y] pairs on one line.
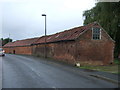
[[64, 35], [69, 34], [27, 39]]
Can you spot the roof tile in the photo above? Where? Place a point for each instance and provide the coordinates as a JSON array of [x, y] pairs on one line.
[[25, 42], [71, 34]]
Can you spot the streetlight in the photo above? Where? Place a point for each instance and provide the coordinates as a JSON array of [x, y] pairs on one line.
[[9, 37], [45, 52]]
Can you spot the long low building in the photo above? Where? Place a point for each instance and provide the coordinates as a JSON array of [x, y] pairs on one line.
[[89, 44], [20, 46]]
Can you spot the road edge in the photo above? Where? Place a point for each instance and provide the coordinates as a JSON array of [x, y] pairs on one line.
[[105, 78]]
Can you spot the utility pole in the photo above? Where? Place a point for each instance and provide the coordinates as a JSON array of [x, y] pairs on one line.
[[45, 50]]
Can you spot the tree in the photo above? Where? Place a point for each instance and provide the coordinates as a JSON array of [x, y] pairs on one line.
[[108, 15], [5, 41]]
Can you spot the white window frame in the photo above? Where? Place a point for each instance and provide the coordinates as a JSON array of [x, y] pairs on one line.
[[99, 35]]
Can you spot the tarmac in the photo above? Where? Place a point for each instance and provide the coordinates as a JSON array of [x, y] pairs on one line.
[[111, 77]]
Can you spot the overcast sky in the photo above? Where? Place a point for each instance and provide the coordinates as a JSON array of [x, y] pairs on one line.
[[22, 18]]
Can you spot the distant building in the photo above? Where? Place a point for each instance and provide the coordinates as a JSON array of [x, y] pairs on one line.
[[88, 44], [20, 46]]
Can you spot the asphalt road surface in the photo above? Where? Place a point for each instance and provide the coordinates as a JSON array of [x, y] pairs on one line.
[[21, 71]]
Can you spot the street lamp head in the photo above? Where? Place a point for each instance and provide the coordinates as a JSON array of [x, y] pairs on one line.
[[43, 14]]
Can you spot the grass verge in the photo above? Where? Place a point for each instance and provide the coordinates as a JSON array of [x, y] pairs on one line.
[[109, 68]]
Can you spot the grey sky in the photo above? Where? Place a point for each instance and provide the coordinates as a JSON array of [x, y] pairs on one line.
[[22, 18]]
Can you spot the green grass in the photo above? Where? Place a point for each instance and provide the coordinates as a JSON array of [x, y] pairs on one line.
[[109, 68]]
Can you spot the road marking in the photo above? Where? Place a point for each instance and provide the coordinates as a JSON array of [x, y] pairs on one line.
[[54, 88]]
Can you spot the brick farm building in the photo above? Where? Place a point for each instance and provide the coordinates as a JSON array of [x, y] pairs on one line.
[[89, 44]]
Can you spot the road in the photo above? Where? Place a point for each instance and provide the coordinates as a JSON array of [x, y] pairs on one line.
[[20, 71]]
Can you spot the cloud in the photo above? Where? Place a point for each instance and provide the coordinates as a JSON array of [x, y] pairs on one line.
[[22, 18]]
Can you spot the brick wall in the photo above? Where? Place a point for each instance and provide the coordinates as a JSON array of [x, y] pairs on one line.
[[63, 51], [9, 49], [19, 50], [97, 52], [84, 50]]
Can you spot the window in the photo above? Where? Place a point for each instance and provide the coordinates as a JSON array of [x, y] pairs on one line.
[[96, 33]]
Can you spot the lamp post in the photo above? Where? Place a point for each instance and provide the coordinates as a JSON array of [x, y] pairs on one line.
[[45, 50], [9, 37]]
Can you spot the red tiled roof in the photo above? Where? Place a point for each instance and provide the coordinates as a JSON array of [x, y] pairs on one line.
[[71, 34], [9, 44], [25, 42]]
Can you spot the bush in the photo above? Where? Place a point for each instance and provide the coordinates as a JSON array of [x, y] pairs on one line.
[[117, 61]]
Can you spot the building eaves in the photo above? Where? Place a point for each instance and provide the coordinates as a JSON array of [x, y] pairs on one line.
[[66, 35], [25, 42]]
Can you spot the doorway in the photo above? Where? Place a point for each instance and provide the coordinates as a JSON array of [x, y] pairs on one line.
[[13, 51]]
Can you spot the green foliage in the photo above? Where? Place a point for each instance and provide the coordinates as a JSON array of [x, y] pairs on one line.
[[108, 68], [108, 15], [117, 61], [5, 41]]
